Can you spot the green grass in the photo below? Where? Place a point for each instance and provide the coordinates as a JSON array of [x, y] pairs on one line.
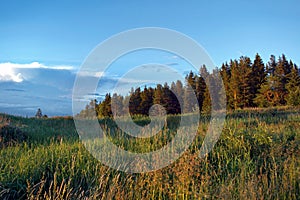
[[257, 157]]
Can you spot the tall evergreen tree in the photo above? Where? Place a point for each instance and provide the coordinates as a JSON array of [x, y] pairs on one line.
[[170, 101], [215, 82], [117, 104], [225, 74], [265, 96], [268, 93], [280, 79], [271, 65], [188, 100], [200, 85], [158, 98], [245, 81], [179, 93], [206, 108], [257, 78], [147, 100], [189, 93], [235, 84], [39, 113], [293, 87], [104, 108], [135, 102], [190, 78]]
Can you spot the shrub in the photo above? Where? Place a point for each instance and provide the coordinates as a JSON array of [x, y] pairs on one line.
[[10, 135]]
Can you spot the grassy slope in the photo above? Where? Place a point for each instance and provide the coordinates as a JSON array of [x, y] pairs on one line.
[[257, 157]]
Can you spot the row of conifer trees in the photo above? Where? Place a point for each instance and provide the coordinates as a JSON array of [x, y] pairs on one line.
[[246, 83]]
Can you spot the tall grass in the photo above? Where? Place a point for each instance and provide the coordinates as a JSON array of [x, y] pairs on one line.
[[256, 157]]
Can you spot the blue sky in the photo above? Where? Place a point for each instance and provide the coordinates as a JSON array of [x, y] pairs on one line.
[[50, 39]]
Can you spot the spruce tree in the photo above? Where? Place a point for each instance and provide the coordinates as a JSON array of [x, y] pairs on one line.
[[189, 93], [147, 100], [245, 81], [263, 97], [188, 103], [271, 66], [158, 99], [293, 87], [170, 101], [179, 94], [206, 108], [257, 78], [104, 108], [268, 93], [281, 78], [190, 78], [225, 74], [135, 102], [235, 84], [117, 104]]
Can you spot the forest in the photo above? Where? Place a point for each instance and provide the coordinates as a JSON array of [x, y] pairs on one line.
[[247, 84]]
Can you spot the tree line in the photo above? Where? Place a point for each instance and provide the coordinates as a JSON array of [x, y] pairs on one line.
[[246, 84]]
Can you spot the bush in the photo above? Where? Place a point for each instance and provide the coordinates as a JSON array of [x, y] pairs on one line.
[[10, 136]]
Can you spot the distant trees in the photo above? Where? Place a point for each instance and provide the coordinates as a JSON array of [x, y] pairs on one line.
[[246, 84], [39, 113]]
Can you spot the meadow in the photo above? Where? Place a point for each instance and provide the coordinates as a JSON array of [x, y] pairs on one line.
[[256, 157]]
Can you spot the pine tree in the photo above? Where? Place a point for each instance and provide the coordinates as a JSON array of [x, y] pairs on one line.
[[293, 87], [203, 72], [188, 100], [158, 98], [280, 79], [215, 87], [271, 66], [104, 108], [235, 84], [225, 74], [200, 86], [178, 90], [147, 100], [125, 109], [269, 91], [212, 91], [135, 102], [170, 101], [245, 84], [264, 96], [257, 78], [117, 104], [190, 79], [206, 108]]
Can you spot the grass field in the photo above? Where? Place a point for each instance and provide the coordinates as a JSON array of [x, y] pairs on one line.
[[256, 157]]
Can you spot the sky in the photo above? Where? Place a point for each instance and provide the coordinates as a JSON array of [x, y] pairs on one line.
[[44, 43]]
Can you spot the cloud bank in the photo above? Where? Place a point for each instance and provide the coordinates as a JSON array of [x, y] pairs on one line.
[[9, 74], [11, 71], [26, 87]]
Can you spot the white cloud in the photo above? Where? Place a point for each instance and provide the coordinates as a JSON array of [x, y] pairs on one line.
[[9, 74], [9, 71], [35, 65], [91, 74]]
